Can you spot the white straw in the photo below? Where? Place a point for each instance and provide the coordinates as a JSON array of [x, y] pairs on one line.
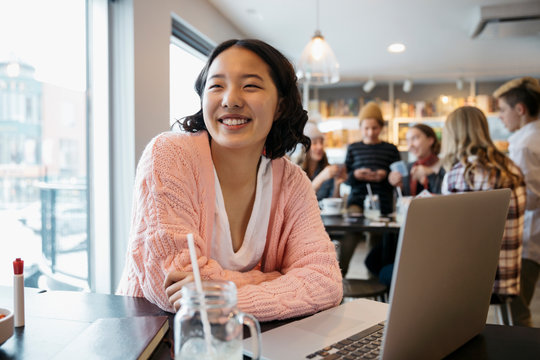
[[370, 193], [198, 285], [399, 193]]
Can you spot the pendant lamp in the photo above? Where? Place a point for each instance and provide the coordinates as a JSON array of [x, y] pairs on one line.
[[318, 64]]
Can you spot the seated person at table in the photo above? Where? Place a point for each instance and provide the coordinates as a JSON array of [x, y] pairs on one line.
[[325, 178], [253, 214], [426, 172], [473, 163]]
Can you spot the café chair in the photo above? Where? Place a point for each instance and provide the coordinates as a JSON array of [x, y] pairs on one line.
[[503, 311], [364, 288]]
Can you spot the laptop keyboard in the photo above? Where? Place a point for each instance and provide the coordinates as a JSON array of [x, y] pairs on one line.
[[364, 345]]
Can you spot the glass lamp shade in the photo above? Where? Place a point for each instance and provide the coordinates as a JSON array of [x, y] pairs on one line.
[[318, 64]]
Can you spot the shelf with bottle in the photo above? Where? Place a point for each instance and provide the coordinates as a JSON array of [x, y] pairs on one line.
[[338, 119], [342, 131]]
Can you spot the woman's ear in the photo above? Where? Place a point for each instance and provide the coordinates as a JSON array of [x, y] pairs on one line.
[[521, 109]]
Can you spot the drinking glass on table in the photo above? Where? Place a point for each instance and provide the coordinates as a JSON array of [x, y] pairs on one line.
[[372, 207], [402, 204], [226, 324]]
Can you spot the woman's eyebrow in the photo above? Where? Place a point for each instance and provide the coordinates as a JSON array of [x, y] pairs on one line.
[[253, 76], [244, 76]]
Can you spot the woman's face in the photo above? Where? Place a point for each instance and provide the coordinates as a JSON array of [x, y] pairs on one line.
[[509, 115], [240, 100], [316, 151], [419, 144], [370, 131]]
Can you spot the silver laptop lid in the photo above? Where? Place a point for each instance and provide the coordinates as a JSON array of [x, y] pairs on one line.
[[446, 262]]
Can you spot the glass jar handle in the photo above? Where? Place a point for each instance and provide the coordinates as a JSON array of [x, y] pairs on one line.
[[255, 332]]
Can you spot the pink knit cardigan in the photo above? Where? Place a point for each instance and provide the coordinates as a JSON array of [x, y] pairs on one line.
[[175, 195]]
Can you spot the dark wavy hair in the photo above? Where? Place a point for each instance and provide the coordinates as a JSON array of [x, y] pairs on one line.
[[287, 129]]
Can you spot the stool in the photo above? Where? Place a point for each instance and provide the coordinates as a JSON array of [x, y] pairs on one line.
[[364, 288]]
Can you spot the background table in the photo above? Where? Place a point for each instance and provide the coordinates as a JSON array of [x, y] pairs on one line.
[[333, 223]]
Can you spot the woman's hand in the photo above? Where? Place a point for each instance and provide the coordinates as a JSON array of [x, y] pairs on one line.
[[362, 174], [329, 172], [379, 175], [395, 178], [174, 281], [341, 174], [366, 174], [420, 172]]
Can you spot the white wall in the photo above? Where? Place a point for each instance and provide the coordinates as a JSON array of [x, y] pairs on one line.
[[152, 31]]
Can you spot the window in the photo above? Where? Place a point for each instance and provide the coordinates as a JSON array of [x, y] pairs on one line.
[[43, 142], [188, 52], [185, 66]]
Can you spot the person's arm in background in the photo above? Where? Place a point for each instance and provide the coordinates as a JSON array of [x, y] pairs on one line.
[[339, 179], [529, 163], [326, 174], [395, 178], [508, 271]]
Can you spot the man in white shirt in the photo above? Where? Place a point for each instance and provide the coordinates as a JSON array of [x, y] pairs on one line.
[[519, 107]]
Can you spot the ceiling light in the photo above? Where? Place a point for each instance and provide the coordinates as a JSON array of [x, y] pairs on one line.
[[407, 85], [396, 48], [459, 84], [318, 64], [369, 85]]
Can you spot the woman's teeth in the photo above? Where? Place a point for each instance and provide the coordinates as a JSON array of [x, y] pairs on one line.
[[234, 121]]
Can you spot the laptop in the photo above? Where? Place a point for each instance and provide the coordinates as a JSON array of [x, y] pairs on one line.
[[446, 261]]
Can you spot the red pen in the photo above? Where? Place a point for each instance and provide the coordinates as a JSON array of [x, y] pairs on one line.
[[18, 292]]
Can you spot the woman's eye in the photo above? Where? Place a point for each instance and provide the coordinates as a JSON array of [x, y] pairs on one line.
[[253, 86], [214, 86]]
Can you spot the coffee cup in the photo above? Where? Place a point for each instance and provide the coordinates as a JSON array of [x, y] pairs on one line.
[[332, 206], [399, 166]]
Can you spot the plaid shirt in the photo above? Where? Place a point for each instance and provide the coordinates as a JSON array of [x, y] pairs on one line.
[[508, 271]]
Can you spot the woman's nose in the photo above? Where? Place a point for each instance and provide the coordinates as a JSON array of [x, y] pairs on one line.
[[232, 98]]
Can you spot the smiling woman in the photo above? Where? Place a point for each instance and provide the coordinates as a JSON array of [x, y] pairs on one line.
[[253, 214]]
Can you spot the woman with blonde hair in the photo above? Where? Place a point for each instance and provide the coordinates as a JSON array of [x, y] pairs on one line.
[[473, 163]]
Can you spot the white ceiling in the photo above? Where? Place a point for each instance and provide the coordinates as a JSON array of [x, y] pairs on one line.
[[437, 34]]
